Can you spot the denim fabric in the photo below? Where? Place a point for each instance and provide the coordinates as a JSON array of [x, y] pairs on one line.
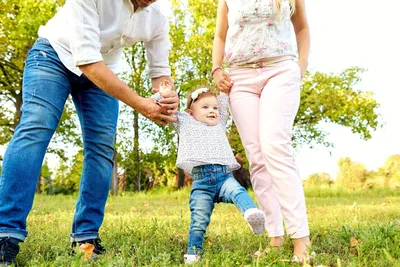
[[46, 86], [212, 184]]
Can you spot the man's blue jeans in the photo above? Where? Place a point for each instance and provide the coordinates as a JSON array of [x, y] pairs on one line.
[[212, 184], [46, 87]]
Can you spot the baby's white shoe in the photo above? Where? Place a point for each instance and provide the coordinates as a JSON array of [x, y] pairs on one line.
[[190, 259], [255, 218]]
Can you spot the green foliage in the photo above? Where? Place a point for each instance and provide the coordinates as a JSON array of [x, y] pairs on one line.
[[162, 167], [66, 180], [318, 179], [192, 33], [142, 145], [391, 171], [324, 97], [352, 175], [334, 98], [236, 144], [45, 183], [392, 167], [20, 21]]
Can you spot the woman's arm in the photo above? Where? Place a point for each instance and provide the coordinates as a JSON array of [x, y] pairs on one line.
[[300, 24], [221, 78]]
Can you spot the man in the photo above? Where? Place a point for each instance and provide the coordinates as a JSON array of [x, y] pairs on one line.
[[77, 53]]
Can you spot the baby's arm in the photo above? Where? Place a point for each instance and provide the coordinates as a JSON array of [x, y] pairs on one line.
[[223, 100], [176, 124]]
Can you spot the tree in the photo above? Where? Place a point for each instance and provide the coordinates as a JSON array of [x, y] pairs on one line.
[[67, 178], [334, 98], [190, 61], [236, 144], [352, 175], [391, 170], [319, 179], [20, 21], [138, 136], [45, 183], [325, 97], [129, 146]]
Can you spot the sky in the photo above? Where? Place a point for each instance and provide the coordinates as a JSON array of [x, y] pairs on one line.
[[346, 33], [362, 33]]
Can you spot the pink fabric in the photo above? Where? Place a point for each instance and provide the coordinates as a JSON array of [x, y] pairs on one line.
[[264, 103]]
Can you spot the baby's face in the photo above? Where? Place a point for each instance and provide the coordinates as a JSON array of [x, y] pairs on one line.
[[206, 110]]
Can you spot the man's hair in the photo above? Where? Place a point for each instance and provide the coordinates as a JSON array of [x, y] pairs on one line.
[[190, 101]]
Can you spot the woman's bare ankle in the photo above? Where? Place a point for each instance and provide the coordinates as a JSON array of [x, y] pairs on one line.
[[301, 247], [276, 241]]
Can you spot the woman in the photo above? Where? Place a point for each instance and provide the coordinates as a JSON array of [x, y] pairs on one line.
[[255, 39]]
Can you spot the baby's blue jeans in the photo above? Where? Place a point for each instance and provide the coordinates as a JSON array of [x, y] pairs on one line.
[[212, 184]]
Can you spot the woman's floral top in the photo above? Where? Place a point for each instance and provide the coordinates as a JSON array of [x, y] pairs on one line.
[[256, 32]]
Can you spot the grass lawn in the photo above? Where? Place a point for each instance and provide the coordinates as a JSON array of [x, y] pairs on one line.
[[151, 230]]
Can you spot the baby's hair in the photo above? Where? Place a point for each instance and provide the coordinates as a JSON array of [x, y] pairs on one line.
[[190, 101], [292, 4]]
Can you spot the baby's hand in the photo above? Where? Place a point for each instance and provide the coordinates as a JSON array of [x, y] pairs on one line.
[[165, 87]]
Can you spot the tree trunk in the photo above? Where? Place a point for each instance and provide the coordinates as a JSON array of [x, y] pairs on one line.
[[181, 178], [18, 105], [136, 150], [114, 179], [38, 185]]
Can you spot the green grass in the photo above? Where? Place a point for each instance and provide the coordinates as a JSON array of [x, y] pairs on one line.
[[151, 230]]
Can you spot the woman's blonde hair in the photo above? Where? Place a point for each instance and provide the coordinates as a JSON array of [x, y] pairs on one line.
[[292, 3]]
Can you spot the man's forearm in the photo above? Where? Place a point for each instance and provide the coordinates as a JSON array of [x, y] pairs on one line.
[[104, 78]]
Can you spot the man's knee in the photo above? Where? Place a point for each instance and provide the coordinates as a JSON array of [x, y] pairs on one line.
[[37, 123]]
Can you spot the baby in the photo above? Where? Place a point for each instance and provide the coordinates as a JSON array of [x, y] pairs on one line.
[[205, 153]]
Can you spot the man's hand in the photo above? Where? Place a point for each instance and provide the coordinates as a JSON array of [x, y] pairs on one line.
[[154, 112], [103, 77], [222, 80]]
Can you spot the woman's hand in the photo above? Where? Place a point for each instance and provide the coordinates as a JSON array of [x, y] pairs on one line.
[[303, 67], [222, 80]]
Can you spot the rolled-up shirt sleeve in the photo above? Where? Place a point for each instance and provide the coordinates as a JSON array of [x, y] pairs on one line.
[[157, 51], [84, 32]]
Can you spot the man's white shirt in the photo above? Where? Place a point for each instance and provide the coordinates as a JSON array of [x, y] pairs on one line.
[[89, 31]]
